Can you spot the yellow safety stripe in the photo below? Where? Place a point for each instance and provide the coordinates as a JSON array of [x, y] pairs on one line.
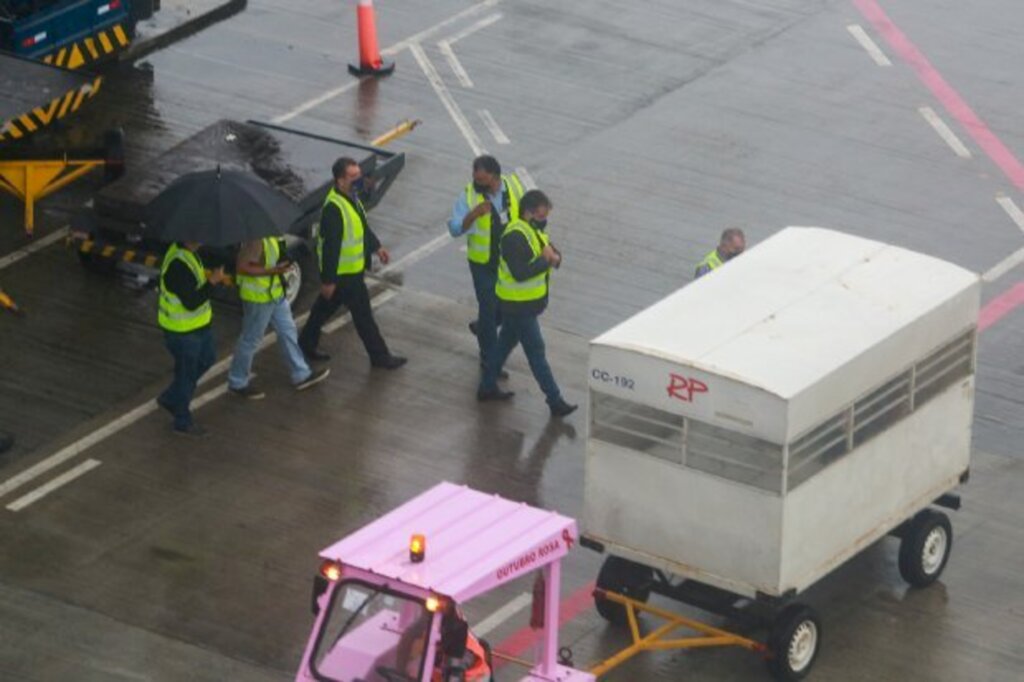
[[101, 45], [21, 125]]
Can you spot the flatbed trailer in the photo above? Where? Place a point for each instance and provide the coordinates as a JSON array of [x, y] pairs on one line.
[[111, 235]]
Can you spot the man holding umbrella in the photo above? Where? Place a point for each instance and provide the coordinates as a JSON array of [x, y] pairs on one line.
[[344, 245], [185, 315], [218, 209]]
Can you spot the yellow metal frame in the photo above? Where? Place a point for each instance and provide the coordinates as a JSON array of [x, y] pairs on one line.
[[403, 128], [33, 180], [657, 640]]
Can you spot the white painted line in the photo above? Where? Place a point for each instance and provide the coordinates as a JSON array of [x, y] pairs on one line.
[[418, 254], [453, 61], [510, 609], [1012, 210], [390, 51], [129, 418], [36, 245], [868, 44], [470, 30], [419, 37], [44, 490], [526, 178], [375, 302], [315, 102], [944, 131], [446, 98], [499, 135], [1004, 266]]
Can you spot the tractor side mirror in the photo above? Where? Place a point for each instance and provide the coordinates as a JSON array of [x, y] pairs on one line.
[[454, 633]]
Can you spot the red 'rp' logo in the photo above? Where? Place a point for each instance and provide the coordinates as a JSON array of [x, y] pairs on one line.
[[685, 388], [567, 538]]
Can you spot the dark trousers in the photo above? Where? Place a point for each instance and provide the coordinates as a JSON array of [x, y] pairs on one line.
[[521, 329], [193, 353], [353, 295], [485, 278]]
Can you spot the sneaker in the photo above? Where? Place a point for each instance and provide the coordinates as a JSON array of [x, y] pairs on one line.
[[492, 395], [315, 355], [248, 392], [474, 327], [562, 409], [389, 362], [192, 431], [313, 379]]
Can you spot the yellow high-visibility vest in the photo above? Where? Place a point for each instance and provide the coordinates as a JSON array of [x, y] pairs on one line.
[[713, 261], [352, 259], [533, 289], [173, 315], [263, 288], [478, 240]]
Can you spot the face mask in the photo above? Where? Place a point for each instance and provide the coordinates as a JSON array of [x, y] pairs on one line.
[[480, 189], [359, 185], [538, 224]]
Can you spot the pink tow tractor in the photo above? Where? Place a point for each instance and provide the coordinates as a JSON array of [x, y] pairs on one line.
[[387, 597]]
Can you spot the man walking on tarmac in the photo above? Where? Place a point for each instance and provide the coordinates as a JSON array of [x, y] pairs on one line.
[[731, 244], [185, 315], [489, 202], [526, 258], [344, 246], [259, 269]]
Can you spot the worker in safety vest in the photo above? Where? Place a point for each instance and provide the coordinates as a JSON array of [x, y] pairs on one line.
[[526, 259], [475, 665], [731, 244], [185, 315], [259, 272], [345, 244], [481, 211]]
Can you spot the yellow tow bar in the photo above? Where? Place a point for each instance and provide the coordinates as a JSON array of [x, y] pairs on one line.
[[658, 639], [30, 181]]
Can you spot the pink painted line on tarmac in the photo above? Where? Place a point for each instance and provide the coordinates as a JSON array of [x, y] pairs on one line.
[[944, 92], [524, 638], [1000, 306]]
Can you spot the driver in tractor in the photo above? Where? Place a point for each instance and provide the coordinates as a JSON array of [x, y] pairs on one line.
[[460, 657]]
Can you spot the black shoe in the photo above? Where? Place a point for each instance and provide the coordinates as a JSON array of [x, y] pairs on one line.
[[389, 362], [248, 392], [191, 431], [313, 379], [166, 406], [474, 328], [315, 355], [493, 395], [501, 375], [562, 409]]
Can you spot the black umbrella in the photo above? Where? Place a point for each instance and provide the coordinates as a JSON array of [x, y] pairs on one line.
[[219, 208]]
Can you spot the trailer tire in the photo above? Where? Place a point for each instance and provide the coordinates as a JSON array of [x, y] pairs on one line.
[[624, 577], [794, 642], [925, 548]]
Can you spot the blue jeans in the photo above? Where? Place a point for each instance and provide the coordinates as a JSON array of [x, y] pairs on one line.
[[255, 319], [193, 353], [524, 329], [488, 318]]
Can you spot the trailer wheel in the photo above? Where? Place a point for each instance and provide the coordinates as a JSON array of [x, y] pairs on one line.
[[794, 642], [624, 577], [925, 548]]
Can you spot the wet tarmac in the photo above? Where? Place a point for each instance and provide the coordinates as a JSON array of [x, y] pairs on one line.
[[652, 126]]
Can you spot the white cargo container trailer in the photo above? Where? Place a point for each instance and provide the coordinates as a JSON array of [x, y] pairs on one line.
[[757, 428]]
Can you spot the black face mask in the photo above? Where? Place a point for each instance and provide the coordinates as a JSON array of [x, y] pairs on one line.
[[481, 189], [538, 224]]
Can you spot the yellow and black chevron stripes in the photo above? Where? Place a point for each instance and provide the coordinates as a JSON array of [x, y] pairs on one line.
[[97, 47], [40, 117], [118, 253]]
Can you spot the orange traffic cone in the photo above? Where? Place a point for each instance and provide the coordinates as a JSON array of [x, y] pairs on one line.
[[370, 61]]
